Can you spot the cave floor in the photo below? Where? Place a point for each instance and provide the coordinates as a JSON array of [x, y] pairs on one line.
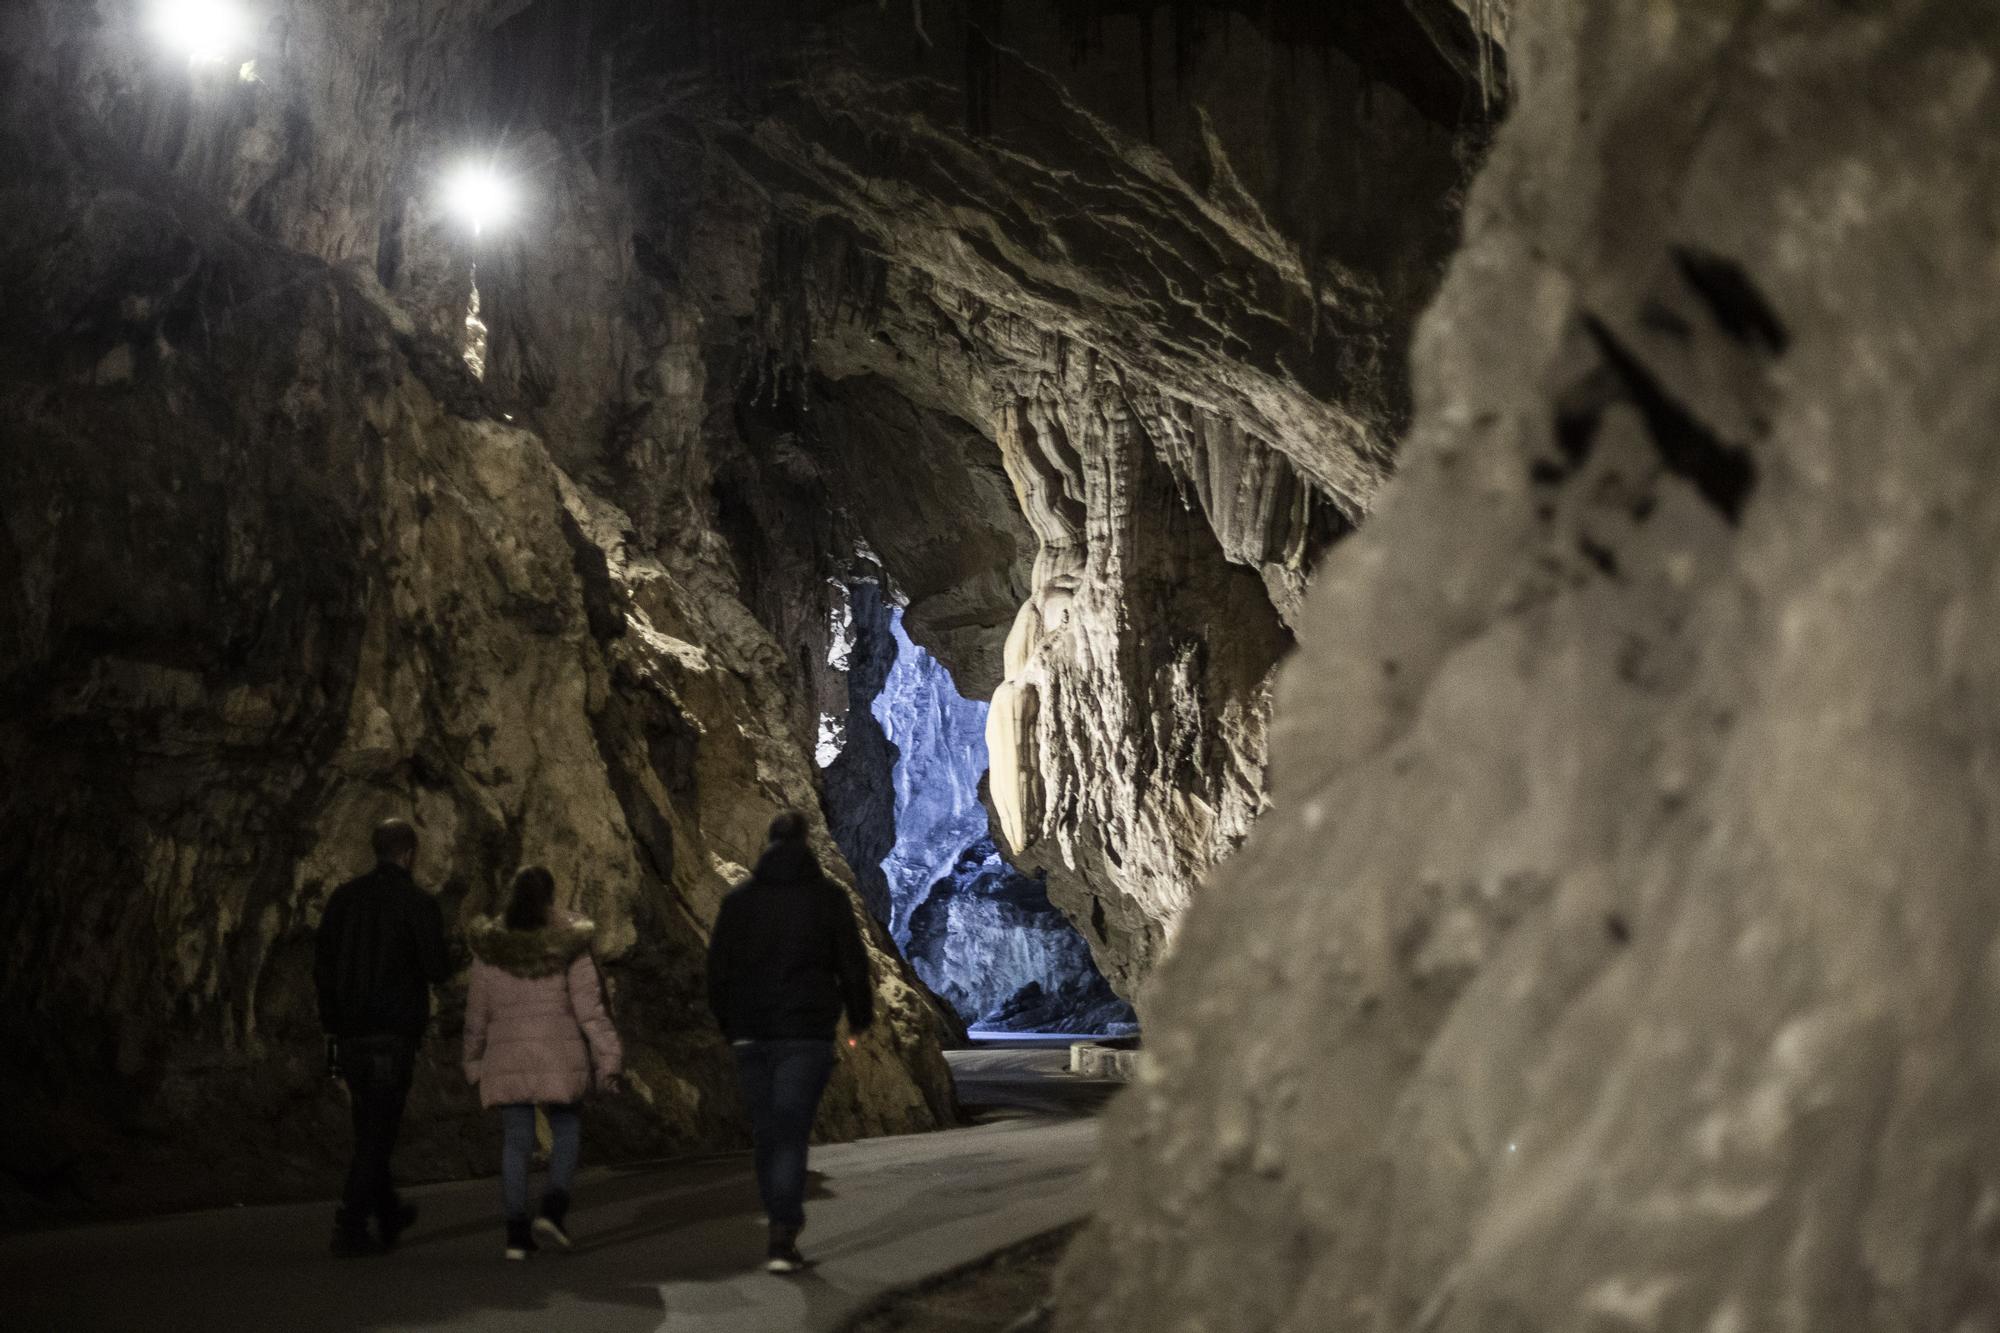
[[671, 1247]]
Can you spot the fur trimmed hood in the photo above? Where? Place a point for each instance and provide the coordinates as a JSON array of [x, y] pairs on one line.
[[530, 953]]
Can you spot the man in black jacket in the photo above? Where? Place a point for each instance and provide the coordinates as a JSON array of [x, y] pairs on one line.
[[379, 950], [785, 960]]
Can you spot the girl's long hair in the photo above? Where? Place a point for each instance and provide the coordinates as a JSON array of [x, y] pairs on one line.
[[531, 897]]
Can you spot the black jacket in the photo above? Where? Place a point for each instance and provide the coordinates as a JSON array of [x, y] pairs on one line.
[[379, 951], [786, 955]]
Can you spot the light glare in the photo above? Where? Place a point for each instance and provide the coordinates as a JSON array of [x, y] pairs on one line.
[[207, 31], [479, 196]]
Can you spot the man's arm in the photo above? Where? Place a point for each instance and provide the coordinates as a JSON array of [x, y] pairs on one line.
[[326, 962], [850, 960], [719, 945]]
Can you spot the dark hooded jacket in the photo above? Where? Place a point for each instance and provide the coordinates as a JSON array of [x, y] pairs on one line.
[[379, 950], [786, 956]]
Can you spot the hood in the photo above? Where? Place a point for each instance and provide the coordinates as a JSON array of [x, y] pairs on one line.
[[786, 862], [530, 953]]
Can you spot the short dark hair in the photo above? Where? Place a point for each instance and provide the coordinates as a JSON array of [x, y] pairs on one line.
[[394, 839], [789, 826], [529, 901]]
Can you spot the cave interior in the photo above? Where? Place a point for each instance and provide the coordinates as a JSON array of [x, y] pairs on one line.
[[1424, 565]]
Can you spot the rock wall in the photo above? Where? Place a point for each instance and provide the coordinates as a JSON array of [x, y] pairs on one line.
[[1129, 289], [860, 786], [275, 565], [1620, 951], [1083, 325]]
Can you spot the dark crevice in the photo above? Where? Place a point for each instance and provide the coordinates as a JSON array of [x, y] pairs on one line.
[[1723, 473], [1738, 307]]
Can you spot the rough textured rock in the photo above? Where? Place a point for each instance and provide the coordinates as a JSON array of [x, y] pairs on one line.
[[1083, 321], [1086, 321], [1620, 951], [274, 567], [1180, 318]]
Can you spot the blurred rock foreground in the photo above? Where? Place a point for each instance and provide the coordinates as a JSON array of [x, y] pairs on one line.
[[1621, 950]]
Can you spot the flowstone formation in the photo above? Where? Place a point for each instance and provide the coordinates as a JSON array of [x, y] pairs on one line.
[[1621, 950]]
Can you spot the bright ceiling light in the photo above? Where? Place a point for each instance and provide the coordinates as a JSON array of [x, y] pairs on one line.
[[479, 196], [208, 31]]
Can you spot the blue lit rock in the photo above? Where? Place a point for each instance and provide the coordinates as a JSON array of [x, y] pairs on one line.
[[991, 944], [941, 740], [981, 934]]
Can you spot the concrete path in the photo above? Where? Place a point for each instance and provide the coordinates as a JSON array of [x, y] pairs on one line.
[[671, 1248]]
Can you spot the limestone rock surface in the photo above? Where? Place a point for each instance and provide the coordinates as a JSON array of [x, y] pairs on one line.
[[1620, 950], [1080, 326], [1156, 277], [275, 565]]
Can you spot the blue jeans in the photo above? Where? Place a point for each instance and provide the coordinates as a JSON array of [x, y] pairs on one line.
[[517, 1147], [782, 1083]]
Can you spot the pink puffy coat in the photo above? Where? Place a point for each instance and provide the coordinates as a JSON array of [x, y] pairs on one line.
[[535, 1025]]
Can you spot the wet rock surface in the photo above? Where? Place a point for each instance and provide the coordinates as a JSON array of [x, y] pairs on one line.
[[1619, 949]]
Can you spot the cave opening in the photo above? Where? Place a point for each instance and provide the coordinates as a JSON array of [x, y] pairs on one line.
[[981, 933]]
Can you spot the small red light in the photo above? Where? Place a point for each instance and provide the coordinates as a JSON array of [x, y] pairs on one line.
[[852, 1042]]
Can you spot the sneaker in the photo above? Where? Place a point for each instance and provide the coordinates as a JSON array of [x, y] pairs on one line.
[[520, 1241], [393, 1224], [349, 1243], [549, 1226], [782, 1255]]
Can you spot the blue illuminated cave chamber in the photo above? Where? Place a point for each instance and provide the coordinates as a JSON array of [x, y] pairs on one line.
[[911, 755]]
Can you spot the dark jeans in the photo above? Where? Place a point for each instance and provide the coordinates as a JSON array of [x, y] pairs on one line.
[[517, 1151], [782, 1082], [378, 1071]]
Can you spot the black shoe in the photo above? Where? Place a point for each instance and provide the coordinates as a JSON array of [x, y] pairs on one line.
[[349, 1243], [395, 1222], [782, 1255], [549, 1226], [520, 1241]]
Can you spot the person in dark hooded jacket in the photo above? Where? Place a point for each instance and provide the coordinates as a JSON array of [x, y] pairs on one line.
[[378, 951], [785, 960]]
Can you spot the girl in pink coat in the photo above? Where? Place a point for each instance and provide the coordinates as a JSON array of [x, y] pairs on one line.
[[537, 1034]]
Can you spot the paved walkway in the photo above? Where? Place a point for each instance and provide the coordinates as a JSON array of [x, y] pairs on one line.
[[671, 1248]]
